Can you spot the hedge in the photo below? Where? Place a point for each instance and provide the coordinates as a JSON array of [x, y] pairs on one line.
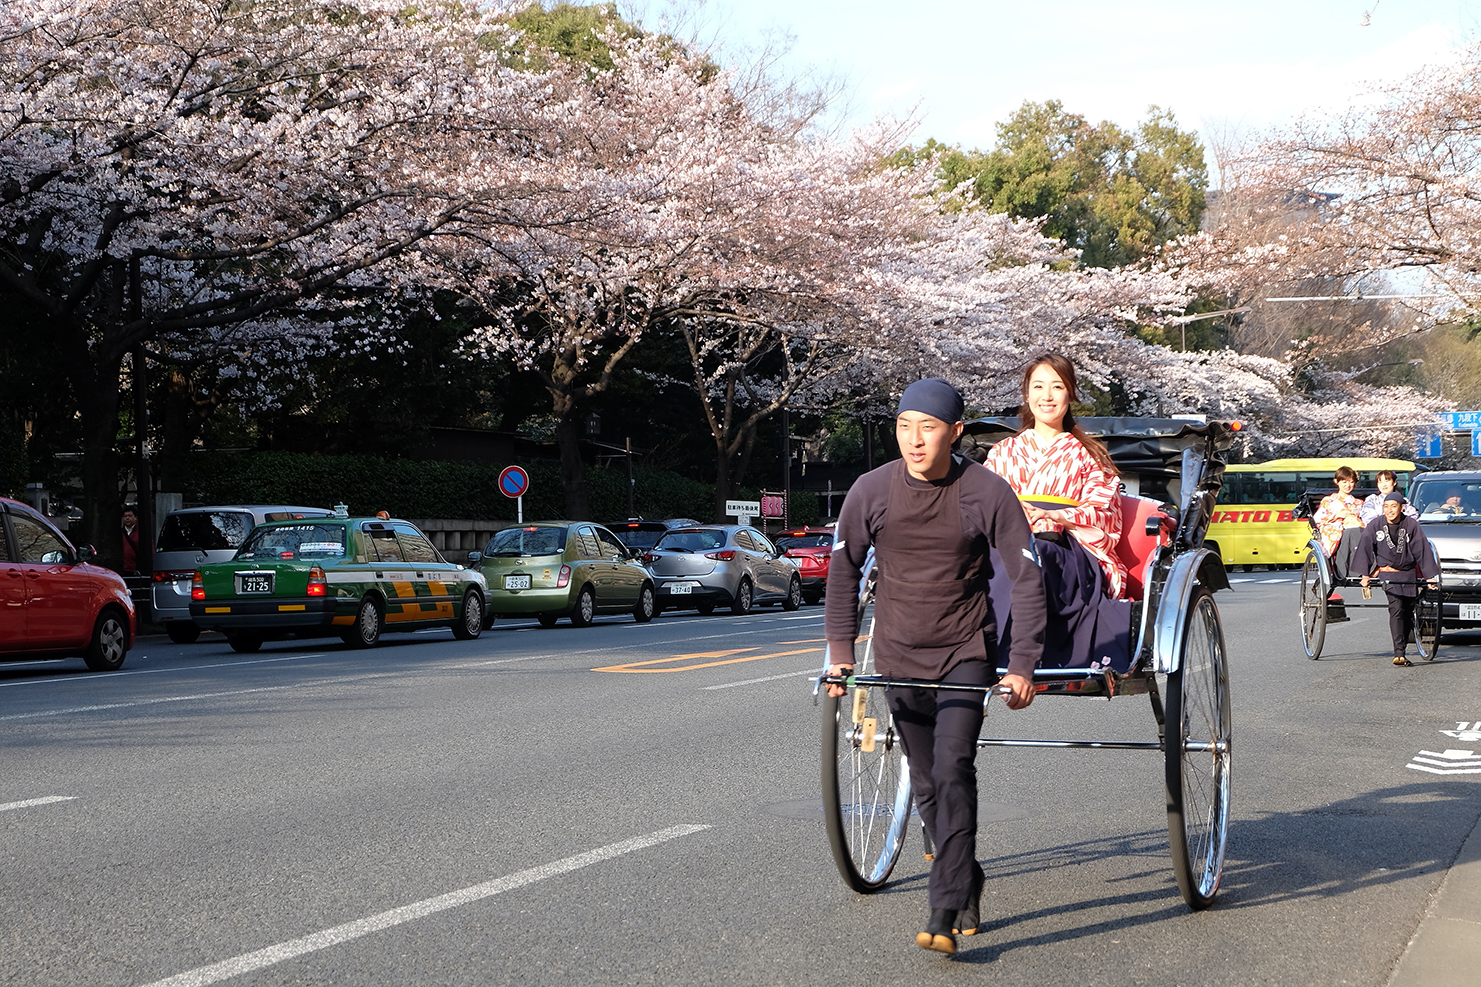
[[430, 489]]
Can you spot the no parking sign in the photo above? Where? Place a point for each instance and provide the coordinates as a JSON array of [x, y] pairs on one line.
[[513, 482]]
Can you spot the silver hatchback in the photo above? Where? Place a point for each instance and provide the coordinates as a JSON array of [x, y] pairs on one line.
[[721, 565]]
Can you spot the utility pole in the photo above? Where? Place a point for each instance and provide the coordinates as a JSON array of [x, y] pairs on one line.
[[144, 481], [630, 477], [786, 467]]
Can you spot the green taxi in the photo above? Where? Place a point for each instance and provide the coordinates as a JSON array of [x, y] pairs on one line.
[[354, 577]]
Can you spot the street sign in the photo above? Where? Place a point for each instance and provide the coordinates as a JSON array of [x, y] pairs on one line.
[[1460, 421], [773, 506], [743, 508], [1476, 443], [1427, 446], [513, 482]]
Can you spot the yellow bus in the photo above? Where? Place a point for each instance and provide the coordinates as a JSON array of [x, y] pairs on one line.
[[1253, 523]]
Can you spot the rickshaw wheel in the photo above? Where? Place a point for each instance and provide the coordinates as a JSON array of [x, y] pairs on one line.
[[1313, 608], [1198, 754], [1427, 623], [866, 793]]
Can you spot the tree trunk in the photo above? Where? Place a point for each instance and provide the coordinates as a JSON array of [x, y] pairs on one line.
[[573, 470], [722, 481], [97, 405]]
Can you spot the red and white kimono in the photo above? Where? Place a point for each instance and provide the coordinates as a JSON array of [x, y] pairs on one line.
[[1335, 514], [1063, 467]]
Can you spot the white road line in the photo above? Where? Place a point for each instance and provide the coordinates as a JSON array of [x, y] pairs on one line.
[[248, 962], [95, 676], [41, 801], [199, 695], [768, 678]]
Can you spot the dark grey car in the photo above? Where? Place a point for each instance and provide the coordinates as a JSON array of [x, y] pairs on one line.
[[721, 565]]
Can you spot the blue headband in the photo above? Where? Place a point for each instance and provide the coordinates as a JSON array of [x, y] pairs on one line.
[[935, 397]]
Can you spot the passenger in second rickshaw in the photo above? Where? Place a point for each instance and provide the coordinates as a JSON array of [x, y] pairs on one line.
[[1069, 490]]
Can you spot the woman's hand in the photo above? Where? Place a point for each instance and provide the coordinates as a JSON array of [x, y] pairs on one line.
[[834, 691], [1020, 690], [1058, 516]]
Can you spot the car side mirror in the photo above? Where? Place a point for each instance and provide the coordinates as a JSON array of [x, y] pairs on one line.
[[474, 558], [86, 553]]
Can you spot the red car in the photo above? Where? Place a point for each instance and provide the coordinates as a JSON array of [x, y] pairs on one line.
[[810, 547], [53, 600]]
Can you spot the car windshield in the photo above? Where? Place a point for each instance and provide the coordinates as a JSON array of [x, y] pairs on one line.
[[210, 531], [691, 541], [512, 543], [1441, 499], [785, 542], [295, 541]]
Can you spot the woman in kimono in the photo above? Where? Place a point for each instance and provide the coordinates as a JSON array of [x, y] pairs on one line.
[[1338, 522], [1065, 478], [1069, 490]]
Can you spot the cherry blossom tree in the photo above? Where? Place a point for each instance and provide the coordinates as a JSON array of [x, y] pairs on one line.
[[186, 173]]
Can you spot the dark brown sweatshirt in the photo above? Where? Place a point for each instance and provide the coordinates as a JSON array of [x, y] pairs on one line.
[[991, 517]]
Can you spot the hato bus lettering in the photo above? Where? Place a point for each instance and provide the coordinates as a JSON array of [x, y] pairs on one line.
[[1254, 522]]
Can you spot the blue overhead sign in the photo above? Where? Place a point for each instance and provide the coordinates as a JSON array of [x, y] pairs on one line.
[[1460, 421]]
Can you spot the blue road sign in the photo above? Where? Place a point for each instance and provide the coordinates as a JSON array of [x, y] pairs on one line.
[[1460, 421], [1427, 446], [1476, 443], [514, 481]]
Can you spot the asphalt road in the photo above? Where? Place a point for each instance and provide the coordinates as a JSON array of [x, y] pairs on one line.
[[501, 811]]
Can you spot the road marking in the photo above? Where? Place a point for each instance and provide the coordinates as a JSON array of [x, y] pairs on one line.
[[637, 666], [94, 676], [41, 801], [1450, 762], [199, 695], [769, 678], [248, 962]]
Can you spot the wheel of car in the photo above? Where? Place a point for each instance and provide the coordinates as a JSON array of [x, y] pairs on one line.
[[109, 645], [547, 619], [367, 627], [243, 644], [471, 625], [647, 607], [706, 608], [745, 598], [794, 595], [182, 631], [585, 610]]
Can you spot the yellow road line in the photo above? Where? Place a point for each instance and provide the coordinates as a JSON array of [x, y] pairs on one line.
[[635, 666]]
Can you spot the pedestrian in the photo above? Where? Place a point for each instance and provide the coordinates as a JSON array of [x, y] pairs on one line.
[[130, 541], [1394, 549], [932, 517]]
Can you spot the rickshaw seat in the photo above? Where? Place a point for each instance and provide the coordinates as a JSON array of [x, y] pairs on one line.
[[1136, 546]]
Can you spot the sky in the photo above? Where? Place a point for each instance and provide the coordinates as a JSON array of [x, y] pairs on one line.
[[1230, 70]]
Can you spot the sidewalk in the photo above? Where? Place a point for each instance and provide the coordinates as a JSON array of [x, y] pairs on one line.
[[1446, 949]]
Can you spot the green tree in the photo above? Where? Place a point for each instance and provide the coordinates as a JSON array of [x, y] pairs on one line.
[[1111, 194]]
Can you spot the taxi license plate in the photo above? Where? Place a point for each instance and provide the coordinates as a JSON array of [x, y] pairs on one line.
[[255, 584], [681, 589], [516, 582], [1470, 611]]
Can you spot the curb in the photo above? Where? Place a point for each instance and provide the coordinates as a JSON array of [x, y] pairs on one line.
[[1446, 948]]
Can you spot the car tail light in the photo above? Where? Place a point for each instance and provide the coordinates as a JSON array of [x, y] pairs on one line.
[[649, 558], [565, 577], [171, 577], [197, 586], [725, 556], [317, 583]]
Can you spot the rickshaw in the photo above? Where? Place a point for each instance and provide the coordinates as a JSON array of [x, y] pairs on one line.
[[1174, 654], [1320, 579]]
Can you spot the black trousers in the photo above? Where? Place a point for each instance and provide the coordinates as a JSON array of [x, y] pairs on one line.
[[1400, 619], [939, 731]]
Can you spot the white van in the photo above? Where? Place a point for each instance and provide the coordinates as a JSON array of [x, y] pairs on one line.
[[194, 536]]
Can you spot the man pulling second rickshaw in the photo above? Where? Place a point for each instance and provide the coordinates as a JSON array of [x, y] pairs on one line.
[[932, 518], [1393, 548]]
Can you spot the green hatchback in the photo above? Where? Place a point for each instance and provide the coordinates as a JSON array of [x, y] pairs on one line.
[[354, 577], [554, 569]]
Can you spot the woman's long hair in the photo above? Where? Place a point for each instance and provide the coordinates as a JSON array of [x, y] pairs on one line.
[[1066, 370]]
